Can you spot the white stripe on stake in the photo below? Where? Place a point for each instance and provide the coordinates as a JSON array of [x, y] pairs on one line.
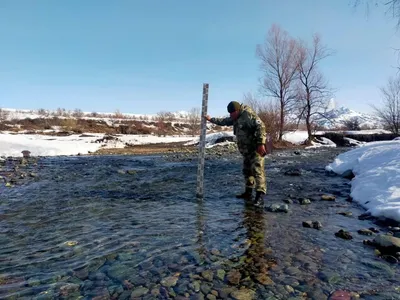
[[202, 143]]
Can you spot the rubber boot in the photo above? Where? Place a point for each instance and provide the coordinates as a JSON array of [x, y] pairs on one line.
[[246, 195], [259, 200]]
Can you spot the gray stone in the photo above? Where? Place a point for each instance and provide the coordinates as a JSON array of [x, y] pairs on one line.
[[330, 277], [328, 197], [305, 201], [317, 225], [169, 281], [343, 234], [119, 272], [221, 274], [195, 286], [139, 291], [390, 259], [198, 296], [365, 232], [345, 213], [348, 174], [211, 297], [205, 288], [243, 294], [208, 275], [387, 241], [233, 277], [293, 271]]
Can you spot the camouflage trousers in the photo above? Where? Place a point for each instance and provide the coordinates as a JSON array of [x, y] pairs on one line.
[[254, 172]]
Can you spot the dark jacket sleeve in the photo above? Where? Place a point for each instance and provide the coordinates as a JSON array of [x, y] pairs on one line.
[[222, 121]]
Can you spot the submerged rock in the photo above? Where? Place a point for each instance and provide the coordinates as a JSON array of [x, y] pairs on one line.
[[243, 294], [328, 197], [365, 216], [264, 279], [387, 243], [340, 295], [169, 281], [317, 225], [390, 259], [208, 275], [312, 224], [365, 232], [293, 172], [233, 277], [345, 213], [305, 201], [288, 201], [139, 291], [343, 234], [348, 174], [221, 274], [278, 208]]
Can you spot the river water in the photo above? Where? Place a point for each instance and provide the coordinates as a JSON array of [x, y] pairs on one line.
[[130, 227]]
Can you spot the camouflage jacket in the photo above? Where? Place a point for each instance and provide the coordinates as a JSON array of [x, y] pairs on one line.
[[248, 129]]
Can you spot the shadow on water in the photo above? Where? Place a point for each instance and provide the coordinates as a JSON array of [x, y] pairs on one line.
[[131, 228]]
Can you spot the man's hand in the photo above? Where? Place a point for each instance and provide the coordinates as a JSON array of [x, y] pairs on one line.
[[208, 118], [261, 150]]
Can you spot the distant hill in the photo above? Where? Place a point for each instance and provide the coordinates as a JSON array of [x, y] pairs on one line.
[[336, 118]]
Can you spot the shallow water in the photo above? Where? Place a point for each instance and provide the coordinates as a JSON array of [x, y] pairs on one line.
[[87, 228]]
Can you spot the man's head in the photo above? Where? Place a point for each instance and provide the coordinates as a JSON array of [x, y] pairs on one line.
[[234, 109]]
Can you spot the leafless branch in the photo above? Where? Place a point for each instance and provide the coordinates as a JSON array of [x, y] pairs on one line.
[[313, 89], [389, 113], [278, 64]]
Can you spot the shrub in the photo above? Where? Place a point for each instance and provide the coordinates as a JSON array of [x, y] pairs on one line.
[[352, 124], [269, 114], [77, 113]]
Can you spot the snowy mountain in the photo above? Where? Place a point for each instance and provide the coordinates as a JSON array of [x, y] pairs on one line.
[[334, 118], [337, 117]]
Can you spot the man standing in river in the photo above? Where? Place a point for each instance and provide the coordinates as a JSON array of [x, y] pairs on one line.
[[251, 137]]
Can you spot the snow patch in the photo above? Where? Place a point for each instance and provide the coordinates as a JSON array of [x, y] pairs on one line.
[[376, 185]]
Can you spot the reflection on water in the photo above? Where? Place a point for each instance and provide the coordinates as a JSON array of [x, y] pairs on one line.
[[132, 228]]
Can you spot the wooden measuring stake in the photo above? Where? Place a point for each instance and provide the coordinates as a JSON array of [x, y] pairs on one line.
[[202, 143]]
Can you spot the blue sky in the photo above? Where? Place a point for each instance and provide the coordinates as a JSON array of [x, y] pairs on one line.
[[154, 55]]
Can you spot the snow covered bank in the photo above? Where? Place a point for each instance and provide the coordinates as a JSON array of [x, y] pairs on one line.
[[212, 138], [295, 137], [321, 142], [43, 145], [46, 145], [376, 185]]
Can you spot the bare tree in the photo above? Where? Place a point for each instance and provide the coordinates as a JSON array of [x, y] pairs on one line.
[[78, 113], [42, 112], [278, 64], [3, 115], [161, 119], [194, 119], [390, 111], [352, 123], [118, 114], [392, 7], [313, 90], [170, 117]]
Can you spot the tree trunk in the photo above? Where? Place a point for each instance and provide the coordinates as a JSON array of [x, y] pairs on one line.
[[308, 117], [281, 123]]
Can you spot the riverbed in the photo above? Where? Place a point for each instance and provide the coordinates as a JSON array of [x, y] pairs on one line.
[[131, 227]]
